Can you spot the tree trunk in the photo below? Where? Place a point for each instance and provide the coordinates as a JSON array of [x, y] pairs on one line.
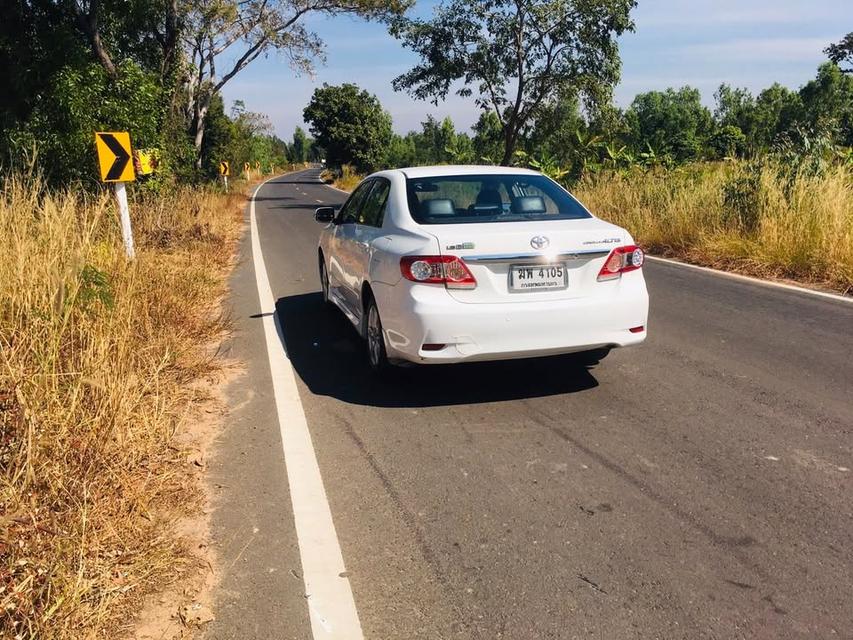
[[170, 39], [510, 140], [103, 56], [199, 129], [88, 24]]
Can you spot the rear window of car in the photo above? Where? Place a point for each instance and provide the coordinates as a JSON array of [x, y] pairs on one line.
[[490, 198]]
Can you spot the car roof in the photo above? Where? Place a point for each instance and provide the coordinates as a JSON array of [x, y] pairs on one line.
[[463, 170]]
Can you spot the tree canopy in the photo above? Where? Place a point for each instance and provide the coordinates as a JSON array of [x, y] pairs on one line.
[[216, 29], [841, 53], [153, 67], [512, 56], [673, 122], [349, 124]]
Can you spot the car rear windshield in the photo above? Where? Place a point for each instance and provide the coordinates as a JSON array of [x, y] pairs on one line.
[[490, 198]]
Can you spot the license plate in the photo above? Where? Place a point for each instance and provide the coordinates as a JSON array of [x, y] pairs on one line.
[[538, 277]]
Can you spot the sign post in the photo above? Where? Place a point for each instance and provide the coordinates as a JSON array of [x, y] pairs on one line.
[[114, 159], [124, 211], [225, 171]]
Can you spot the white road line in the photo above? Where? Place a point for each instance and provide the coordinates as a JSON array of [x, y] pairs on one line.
[[327, 589], [320, 201], [766, 283]]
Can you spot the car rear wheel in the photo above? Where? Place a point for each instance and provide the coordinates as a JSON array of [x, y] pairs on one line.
[[376, 354]]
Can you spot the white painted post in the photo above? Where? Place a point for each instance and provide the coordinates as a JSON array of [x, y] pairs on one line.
[[124, 212], [226, 183]]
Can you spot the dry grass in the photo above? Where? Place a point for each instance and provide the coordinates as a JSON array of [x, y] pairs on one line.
[[349, 178], [96, 360], [737, 216]]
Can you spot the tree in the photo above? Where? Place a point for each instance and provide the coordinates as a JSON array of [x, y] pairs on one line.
[[728, 141], [554, 127], [516, 54], [71, 67], [487, 142], [673, 122], [234, 33], [778, 110], [842, 52], [244, 137], [828, 103], [436, 140], [299, 148], [349, 124], [146, 31], [402, 151]]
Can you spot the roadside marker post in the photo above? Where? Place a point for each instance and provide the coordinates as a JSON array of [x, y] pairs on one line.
[[225, 171], [124, 211], [114, 160]]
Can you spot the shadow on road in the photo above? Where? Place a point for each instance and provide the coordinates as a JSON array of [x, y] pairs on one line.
[[328, 355], [297, 204]]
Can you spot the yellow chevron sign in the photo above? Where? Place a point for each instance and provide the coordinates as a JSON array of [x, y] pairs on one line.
[[114, 153]]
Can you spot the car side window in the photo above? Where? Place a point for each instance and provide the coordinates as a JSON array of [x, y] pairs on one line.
[[373, 210], [349, 212]]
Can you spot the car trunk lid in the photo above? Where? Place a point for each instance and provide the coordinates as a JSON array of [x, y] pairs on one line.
[[530, 261]]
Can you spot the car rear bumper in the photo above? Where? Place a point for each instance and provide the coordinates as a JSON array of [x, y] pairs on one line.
[[418, 315]]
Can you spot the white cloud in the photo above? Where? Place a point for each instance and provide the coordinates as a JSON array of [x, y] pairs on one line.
[[761, 49]]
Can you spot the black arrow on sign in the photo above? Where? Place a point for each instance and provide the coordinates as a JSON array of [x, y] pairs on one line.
[[122, 156]]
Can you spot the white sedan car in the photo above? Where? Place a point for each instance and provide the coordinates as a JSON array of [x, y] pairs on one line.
[[456, 264]]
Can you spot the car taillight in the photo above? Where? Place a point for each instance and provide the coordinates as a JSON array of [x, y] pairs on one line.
[[450, 271], [621, 260]]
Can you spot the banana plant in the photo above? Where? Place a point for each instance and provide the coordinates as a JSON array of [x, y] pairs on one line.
[[651, 159], [614, 155], [587, 152], [547, 165]]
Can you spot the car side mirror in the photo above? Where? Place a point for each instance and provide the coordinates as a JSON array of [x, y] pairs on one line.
[[325, 214]]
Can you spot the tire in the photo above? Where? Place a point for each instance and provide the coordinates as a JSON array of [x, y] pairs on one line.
[[324, 282], [592, 357], [377, 357]]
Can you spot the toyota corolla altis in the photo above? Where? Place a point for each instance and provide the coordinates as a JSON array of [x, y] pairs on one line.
[[455, 264]]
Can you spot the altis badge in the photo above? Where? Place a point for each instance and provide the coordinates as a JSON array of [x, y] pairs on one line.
[[460, 247], [605, 241]]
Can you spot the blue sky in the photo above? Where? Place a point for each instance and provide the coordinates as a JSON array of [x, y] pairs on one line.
[[702, 43]]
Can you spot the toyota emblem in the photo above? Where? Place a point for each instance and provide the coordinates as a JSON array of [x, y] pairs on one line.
[[540, 242]]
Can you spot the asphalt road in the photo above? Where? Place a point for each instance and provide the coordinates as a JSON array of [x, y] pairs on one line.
[[698, 486]]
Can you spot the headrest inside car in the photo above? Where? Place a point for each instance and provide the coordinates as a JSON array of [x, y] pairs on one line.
[[528, 204], [438, 207]]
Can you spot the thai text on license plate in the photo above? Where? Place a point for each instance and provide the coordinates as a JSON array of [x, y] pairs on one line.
[[538, 277]]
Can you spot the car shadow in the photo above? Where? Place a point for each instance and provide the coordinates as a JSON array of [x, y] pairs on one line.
[[328, 355]]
